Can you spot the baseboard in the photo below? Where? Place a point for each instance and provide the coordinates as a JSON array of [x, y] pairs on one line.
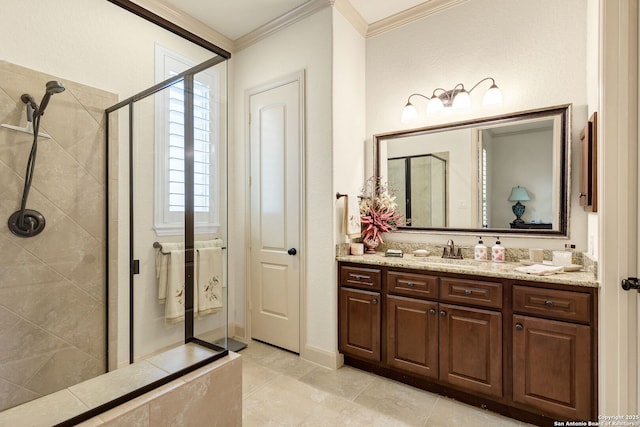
[[328, 359], [238, 332]]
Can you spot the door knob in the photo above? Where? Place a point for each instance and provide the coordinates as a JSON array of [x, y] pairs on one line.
[[292, 251], [631, 283]]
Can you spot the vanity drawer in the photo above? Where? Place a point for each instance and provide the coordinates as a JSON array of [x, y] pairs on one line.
[[475, 292], [413, 285], [552, 303], [359, 277]]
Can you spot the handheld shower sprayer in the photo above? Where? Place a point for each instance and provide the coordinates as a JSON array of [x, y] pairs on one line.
[[31, 105], [53, 87], [28, 222]]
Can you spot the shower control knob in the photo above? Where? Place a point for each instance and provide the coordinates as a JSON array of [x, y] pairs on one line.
[[292, 251]]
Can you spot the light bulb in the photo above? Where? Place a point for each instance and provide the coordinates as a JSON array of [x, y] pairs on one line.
[[409, 113], [435, 105], [493, 96], [462, 100]]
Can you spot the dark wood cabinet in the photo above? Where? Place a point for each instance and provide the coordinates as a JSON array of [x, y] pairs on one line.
[[412, 335], [360, 323], [552, 367], [471, 348], [526, 349]]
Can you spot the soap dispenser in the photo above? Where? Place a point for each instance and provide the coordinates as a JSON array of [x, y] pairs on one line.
[[480, 251], [497, 251]]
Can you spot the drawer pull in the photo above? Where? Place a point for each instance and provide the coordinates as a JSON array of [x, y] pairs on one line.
[[359, 277], [548, 303], [518, 327], [374, 301], [410, 284], [468, 291], [443, 313], [432, 311]]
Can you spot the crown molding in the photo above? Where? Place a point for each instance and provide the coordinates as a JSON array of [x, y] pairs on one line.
[[352, 15], [289, 18], [415, 13], [186, 21]]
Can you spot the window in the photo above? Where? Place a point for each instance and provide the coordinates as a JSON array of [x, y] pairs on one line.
[[169, 135]]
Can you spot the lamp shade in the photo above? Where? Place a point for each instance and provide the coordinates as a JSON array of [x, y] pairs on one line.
[[462, 100], [435, 105], [519, 194], [493, 96], [409, 113]]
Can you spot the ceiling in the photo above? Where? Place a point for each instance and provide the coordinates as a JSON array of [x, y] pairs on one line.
[[236, 18]]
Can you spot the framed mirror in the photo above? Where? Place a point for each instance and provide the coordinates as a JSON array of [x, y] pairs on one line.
[[506, 174]]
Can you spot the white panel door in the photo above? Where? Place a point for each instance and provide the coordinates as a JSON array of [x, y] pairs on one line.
[[275, 215]]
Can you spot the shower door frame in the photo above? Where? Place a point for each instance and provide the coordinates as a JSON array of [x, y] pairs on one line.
[[188, 77], [189, 228]]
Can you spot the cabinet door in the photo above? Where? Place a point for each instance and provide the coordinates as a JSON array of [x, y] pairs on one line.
[[412, 335], [360, 323], [471, 349], [552, 367]]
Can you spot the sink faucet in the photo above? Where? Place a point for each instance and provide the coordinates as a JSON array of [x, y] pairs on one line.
[[449, 251]]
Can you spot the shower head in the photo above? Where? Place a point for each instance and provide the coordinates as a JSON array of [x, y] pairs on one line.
[[31, 105], [53, 87]]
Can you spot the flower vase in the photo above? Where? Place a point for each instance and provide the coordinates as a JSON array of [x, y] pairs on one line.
[[370, 245]]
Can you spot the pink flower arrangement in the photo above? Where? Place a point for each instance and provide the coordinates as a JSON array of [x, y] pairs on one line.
[[378, 211]]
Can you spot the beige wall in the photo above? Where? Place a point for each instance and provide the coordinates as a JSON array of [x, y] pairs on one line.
[[538, 60], [304, 46], [52, 286]]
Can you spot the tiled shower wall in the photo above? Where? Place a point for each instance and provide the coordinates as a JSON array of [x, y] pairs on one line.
[[52, 286]]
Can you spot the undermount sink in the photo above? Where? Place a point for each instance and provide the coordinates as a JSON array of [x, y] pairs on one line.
[[452, 263]]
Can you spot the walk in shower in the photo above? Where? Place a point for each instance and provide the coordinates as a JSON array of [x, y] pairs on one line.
[[132, 261]]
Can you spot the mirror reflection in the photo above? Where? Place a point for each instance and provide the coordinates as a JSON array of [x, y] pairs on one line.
[[506, 173]]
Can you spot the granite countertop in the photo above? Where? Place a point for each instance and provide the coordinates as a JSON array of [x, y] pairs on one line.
[[504, 270]]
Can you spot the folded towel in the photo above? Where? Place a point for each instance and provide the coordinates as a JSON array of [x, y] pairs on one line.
[[209, 279], [162, 266], [540, 270], [162, 262], [174, 303], [351, 223]]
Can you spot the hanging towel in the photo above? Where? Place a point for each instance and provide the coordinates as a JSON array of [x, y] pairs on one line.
[[209, 280], [162, 267], [162, 262], [351, 223], [209, 243], [174, 304]]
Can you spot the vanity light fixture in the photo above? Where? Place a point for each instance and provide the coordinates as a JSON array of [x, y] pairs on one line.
[[457, 98], [518, 194]]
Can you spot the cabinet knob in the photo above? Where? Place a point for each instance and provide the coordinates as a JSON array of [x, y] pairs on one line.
[[468, 291], [518, 327], [374, 301], [443, 313], [581, 195], [548, 303], [432, 311]]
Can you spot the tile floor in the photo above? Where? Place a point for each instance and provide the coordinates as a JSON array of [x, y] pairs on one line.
[[280, 389]]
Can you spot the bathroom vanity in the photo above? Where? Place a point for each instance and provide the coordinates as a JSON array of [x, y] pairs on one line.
[[480, 332]]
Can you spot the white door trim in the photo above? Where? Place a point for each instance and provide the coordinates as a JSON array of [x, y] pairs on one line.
[[618, 228], [299, 77]]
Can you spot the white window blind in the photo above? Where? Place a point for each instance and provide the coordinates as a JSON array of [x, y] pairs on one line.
[[170, 154]]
